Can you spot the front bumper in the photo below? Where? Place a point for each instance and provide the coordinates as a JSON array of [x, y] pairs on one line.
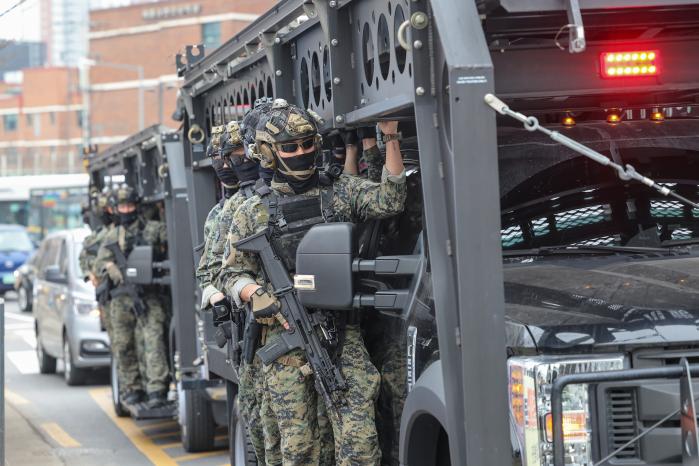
[[88, 343], [639, 409]]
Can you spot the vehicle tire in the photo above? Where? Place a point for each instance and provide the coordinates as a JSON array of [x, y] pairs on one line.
[[240, 448], [72, 375], [114, 382], [198, 428], [24, 299], [47, 363]]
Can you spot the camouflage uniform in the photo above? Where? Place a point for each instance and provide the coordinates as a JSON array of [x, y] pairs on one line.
[[126, 327], [290, 394]]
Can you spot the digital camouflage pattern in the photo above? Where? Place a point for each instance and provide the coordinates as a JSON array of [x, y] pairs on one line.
[[291, 396], [91, 245], [140, 343], [204, 272], [372, 161], [125, 326], [250, 399]]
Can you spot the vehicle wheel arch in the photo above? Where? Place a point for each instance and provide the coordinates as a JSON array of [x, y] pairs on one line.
[[423, 436]]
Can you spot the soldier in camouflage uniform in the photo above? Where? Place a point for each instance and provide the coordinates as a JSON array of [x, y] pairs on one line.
[[226, 176], [91, 244], [152, 318], [289, 142], [250, 382]]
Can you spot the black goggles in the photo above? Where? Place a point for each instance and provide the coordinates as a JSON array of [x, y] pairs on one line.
[[293, 146]]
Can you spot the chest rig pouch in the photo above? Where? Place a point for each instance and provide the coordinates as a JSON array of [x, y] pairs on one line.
[[290, 217]]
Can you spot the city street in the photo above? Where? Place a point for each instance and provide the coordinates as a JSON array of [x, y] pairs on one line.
[[49, 423]]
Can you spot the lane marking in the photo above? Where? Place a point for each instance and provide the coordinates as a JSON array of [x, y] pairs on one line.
[[196, 456], [59, 435], [18, 326], [165, 446], [9, 315], [24, 361], [14, 398], [28, 336], [103, 398]]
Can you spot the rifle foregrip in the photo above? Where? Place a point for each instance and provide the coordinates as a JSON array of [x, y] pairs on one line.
[[273, 350]]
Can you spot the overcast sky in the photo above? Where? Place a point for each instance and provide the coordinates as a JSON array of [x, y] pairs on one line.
[[22, 23]]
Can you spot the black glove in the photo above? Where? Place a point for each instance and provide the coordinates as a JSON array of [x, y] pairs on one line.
[[349, 137], [366, 132], [222, 311]]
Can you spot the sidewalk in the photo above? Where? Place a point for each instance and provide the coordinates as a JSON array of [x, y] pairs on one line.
[[23, 445]]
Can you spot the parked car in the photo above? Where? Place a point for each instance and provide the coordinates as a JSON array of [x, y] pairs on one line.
[[24, 283], [67, 317], [15, 249]]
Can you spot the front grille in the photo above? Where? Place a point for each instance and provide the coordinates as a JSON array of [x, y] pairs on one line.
[[621, 422]]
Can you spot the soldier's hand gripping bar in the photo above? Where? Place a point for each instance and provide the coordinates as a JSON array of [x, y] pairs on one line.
[[627, 172]]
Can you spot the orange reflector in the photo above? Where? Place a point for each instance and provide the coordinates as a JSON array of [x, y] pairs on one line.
[[657, 116], [629, 64], [568, 121], [517, 394], [574, 426]]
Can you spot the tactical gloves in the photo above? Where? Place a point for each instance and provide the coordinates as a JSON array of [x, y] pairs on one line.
[[114, 273], [221, 311], [264, 304]]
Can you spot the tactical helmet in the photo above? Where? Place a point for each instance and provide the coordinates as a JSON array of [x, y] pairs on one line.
[[125, 194], [215, 142], [231, 139], [283, 122]]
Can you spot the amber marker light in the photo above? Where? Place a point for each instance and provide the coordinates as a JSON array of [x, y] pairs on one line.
[[568, 121], [613, 117], [657, 116], [635, 63]]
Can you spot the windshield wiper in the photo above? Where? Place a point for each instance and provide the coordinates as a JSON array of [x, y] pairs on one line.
[[572, 250]]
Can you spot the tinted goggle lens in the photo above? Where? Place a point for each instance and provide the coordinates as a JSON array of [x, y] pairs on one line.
[[293, 146]]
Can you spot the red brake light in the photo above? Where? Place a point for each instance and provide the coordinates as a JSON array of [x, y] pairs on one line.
[[630, 64]]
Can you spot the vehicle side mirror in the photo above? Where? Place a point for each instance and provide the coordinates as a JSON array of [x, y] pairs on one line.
[[53, 274], [324, 257], [139, 265]]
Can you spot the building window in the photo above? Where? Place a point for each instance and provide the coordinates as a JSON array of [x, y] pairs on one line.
[[52, 118], [79, 118], [9, 122], [211, 35], [29, 119], [36, 124]]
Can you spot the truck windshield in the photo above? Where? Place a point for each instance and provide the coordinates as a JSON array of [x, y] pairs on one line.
[[15, 240], [554, 198]]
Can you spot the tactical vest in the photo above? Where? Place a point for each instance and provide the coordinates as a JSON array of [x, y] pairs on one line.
[[290, 217]]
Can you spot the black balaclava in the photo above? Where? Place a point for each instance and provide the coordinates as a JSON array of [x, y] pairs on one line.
[[127, 219], [245, 169], [225, 174], [300, 163], [267, 174], [106, 218]]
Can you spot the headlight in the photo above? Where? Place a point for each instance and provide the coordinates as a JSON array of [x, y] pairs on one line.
[[84, 306], [530, 380]]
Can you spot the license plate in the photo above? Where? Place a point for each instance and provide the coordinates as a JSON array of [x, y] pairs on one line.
[[8, 279]]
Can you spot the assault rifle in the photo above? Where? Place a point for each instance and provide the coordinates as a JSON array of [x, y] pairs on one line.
[[301, 333], [126, 288]]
